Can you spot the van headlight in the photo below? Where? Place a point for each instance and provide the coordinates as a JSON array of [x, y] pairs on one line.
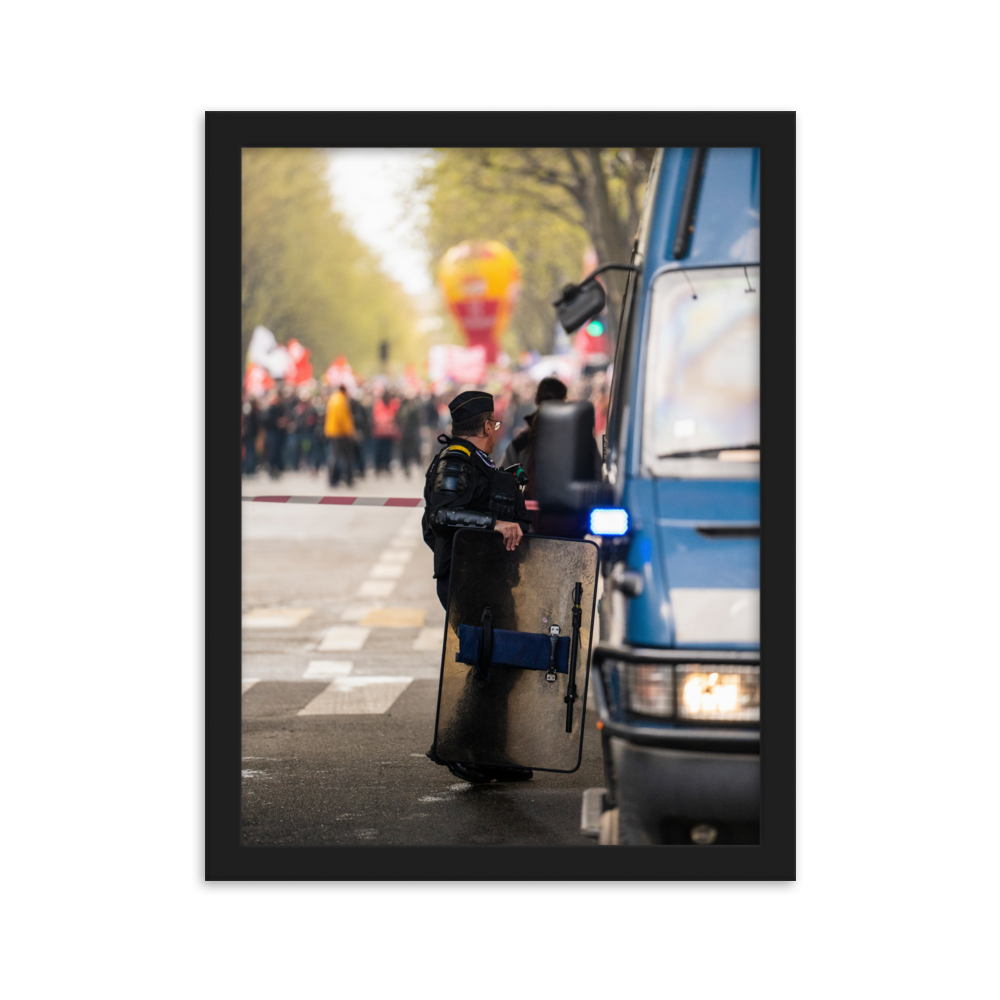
[[649, 689], [691, 691], [718, 693]]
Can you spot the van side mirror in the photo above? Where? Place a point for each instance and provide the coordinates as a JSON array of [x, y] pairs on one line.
[[579, 303], [565, 478]]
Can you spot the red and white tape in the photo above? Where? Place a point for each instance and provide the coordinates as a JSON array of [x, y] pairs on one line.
[[360, 501]]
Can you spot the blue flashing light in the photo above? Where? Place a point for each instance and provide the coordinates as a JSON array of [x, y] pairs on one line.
[[608, 521]]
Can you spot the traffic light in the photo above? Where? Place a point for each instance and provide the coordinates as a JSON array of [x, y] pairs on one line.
[[595, 328]]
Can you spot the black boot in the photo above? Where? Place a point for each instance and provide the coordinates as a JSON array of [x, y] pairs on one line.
[[463, 771], [468, 773]]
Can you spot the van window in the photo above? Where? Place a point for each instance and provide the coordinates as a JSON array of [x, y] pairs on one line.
[[702, 398]]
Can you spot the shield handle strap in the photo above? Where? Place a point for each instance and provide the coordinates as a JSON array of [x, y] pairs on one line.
[[550, 674], [486, 647], [573, 655]]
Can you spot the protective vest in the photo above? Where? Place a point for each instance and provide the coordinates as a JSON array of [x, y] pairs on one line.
[[464, 489]]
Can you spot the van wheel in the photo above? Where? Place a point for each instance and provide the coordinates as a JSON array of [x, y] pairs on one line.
[[609, 828]]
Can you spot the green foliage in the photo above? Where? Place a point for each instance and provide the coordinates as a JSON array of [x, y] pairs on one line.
[[547, 206], [305, 275]]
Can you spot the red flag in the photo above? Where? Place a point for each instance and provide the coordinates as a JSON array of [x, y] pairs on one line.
[[299, 367]]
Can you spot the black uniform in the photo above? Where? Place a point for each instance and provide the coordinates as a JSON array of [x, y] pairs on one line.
[[464, 489]]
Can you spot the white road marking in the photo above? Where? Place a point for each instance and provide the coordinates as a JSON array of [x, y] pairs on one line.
[[396, 556], [248, 682], [344, 637], [275, 617], [322, 670], [429, 639], [386, 571], [357, 696], [377, 588]]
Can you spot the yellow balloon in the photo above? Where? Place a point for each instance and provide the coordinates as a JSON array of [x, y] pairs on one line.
[[481, 281]]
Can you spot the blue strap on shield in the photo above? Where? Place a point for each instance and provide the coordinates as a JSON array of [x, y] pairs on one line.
[[527, 650]]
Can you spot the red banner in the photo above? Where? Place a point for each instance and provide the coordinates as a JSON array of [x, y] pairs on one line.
[[300, 368]]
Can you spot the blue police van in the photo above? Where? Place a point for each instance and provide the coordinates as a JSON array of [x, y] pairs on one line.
[[676, 674]]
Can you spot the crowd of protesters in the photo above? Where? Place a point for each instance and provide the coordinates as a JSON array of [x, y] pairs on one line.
[[374, 429]]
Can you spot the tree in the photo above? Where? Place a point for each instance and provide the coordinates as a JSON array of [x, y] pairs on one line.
[[540, 198], [305, 274]]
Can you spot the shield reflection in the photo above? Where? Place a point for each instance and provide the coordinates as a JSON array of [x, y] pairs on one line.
[[517, 645]]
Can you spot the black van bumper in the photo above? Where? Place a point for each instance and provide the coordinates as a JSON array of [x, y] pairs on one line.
[[667, 780]]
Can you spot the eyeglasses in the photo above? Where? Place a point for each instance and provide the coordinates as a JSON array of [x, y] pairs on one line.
[[496, 424]]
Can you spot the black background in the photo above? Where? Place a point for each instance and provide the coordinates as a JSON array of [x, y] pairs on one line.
[[227, 133]]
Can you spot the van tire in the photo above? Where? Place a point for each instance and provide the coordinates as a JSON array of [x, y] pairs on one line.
[[608, 835]]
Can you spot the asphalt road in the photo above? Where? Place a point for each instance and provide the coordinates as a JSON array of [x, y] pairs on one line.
[[341, 655]]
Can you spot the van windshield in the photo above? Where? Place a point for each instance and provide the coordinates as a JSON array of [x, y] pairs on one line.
[[703, 374]]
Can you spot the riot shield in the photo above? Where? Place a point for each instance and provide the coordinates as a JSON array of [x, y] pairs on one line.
[[516, 656]]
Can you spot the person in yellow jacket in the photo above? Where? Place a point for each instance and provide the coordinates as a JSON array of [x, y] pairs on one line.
[[339, 429]]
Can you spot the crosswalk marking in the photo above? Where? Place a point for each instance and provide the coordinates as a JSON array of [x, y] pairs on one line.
[[275, 617], [248, 682], [344, 637], [386, 571], [321, 670], [395, 617], [357, 696], [397, 555], [377, 588], [429, 639]]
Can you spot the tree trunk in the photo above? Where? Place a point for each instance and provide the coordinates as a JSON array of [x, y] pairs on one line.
[[606, 229]]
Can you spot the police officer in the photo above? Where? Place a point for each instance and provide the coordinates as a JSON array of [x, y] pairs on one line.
[[462, 486], [464, 489]]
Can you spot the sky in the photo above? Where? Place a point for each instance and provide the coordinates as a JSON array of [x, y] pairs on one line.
[[369, 187]]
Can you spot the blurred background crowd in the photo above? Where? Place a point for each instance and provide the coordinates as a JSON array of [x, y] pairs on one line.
[[379, 425]]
